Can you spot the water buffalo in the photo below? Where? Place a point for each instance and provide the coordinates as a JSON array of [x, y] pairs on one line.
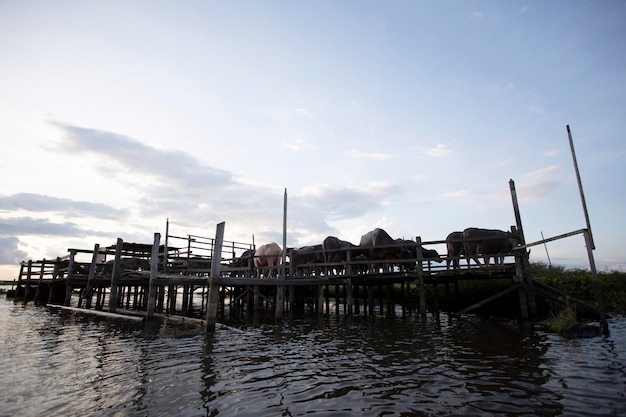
[[126, 264], [427, 254], [377, 245], [305, 258], [488, 243], [268, 255], [454, 245], [244, 259], [336, 251]]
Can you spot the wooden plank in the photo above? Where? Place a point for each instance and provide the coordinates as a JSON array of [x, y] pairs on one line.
[[488, 299]]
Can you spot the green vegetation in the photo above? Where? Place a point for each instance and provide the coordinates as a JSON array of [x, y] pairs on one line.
[[578, 283], [563, 320]]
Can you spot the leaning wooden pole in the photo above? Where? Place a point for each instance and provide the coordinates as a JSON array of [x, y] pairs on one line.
[[154, 269], [527, 278], [214, 288], [580, 188], [596, 283]]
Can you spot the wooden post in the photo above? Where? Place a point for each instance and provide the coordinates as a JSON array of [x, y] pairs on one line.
[[29, 271], [70, 278], [91, 281], [280, 289], [580, 189], [420, 277], [165, 250], [519, 277], [40, 280], [115, 276], [154, 269], [596, 283], [214, 288], [526, 274]]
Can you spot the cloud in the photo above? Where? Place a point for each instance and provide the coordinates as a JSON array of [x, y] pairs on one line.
[[450, 195], [303, 112], [551, 153], [9, 251], [296, 146], [477, 16], [540, 183], [364, 155], [69, 208], [350, 201], [21, 226], [536, 109], [438, 151], [173, 167]]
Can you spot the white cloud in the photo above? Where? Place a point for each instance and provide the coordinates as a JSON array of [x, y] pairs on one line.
[[296, 146], [551, 153], [538, 184], [451, 195], [303, 112], [438, 151], [364, 155]]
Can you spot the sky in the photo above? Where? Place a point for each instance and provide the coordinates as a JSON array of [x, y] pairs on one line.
[[411, 116]]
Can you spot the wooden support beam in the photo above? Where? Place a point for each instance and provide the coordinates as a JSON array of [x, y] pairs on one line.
[[489, 299], [154, 269], [214, 287], [115, 276]]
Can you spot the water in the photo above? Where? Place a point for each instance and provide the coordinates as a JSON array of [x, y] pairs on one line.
[[59, 363]]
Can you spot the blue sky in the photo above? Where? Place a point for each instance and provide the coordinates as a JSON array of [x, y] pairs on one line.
[[406, 115]]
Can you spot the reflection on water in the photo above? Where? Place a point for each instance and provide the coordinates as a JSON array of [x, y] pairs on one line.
[[59, 363]]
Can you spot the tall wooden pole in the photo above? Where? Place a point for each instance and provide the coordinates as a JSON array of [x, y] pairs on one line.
[[527, 279], [165, 251], [580, 188], [280, 289], [154, 269], [115, 276], [214, 288]]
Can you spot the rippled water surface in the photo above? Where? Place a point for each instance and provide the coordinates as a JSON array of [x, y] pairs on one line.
[[58, 363]]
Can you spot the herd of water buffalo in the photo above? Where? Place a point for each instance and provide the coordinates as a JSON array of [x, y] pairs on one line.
[[378, 250]]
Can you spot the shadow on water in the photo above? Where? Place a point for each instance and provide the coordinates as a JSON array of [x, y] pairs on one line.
[[363, 365]]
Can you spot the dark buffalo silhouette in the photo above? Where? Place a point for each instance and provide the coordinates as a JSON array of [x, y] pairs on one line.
[[336, 251], [454, 246], [488, 243]]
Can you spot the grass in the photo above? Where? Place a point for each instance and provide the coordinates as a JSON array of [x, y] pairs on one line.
[[564, 319], [578, 283]]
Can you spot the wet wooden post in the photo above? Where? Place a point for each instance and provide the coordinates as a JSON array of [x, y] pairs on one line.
[[519, 277], [70, 278], [527, 279], [55, 276], [29, 271], [420, 277], [115, 276], [91, 281], [348, 273], [154, 269], [596, 283], [40, 280], [214, 287]]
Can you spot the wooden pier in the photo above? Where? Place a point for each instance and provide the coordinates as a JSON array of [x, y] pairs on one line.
[[196, 277], [197, 280], [149, 279]]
